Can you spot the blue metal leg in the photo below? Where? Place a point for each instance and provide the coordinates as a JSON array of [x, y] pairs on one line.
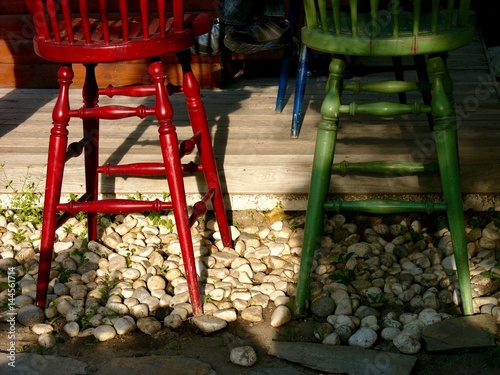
[[300, 88], [280, 99]]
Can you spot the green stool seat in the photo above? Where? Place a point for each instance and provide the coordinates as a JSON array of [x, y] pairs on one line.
[[387, 28]]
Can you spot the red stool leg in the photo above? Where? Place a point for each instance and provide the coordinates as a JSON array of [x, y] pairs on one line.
[[199, 123], [55, 169], [172, 160], [91, 132]]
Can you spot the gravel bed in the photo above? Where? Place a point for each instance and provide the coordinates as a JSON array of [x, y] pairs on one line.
[[374, 279]]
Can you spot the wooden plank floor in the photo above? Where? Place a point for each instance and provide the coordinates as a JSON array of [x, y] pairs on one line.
[[260, 165]]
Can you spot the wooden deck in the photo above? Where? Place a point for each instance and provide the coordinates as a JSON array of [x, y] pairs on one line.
[[260, 165]]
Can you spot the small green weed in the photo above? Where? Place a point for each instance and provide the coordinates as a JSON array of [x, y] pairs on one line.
[[90, 312], [490, 275], [25, 201], [378, 300], [20, 236], [90, 341], [344, 276], [23, 348], [129, 254], [136, 197], [107, 285], [156, 218], [64, 275]]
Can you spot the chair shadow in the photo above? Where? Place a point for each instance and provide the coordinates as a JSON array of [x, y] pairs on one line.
[[218, 122], [20, 47]]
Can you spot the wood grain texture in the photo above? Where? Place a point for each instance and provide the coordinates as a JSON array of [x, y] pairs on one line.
[[259, 163]]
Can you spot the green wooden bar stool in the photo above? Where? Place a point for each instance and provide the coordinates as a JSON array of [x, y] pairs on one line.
[[387, 28]]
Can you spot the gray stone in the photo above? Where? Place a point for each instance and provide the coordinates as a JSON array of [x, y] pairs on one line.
[[243, 356], [21, 301], [148, 325], [344, 307], [361, 249], [99, 249], [72, 329], [61, 289], [156, 282], [344, 333], [42, 328], [332, 339], [209, 324], [252, 314], [117, 263], [104, 333], [322, 330], [124, 325], [364, 337], [87, 267], [281, 315], [30, 315], [429, 316], [460, 333], [343, 359], [35, 364], [364, 311], [406, 343], [47, 340], [390, 333], [229, 315], [323, 306], [6, 263], [482, 285], [172, 321], [141, 294]]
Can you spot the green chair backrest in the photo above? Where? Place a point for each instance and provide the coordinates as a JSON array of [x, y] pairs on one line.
[[387, 28]]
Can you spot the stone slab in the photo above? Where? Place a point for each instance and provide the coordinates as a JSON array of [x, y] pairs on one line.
[[466, 332], [287, 370], [36, 364], [155, 365], [343, 359]]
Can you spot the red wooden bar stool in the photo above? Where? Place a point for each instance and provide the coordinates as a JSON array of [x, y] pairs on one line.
[[66, 33]]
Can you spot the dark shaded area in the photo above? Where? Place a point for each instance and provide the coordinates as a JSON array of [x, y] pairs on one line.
[[487, 12]]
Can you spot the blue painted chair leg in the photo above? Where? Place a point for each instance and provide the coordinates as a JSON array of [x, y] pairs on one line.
[[300, 87], [283, 83]]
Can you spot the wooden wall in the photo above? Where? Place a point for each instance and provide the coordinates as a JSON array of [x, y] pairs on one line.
[[20, 67]]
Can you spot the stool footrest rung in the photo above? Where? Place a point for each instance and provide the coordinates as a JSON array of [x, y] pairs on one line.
[[384, 109], [112, 112], [200, 207], [115, 206], [385, 167], [145, 169], [384, 206], [65, 215], [387, 87], [75, 149], [187, 146], [136, 90]]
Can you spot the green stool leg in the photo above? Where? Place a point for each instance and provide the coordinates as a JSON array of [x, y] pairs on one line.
[[445, 132], [320, 179]]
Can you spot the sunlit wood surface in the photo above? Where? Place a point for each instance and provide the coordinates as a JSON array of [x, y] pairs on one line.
[[259, 164]]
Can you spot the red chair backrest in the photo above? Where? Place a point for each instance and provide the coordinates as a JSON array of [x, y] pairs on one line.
[[48, 16]]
